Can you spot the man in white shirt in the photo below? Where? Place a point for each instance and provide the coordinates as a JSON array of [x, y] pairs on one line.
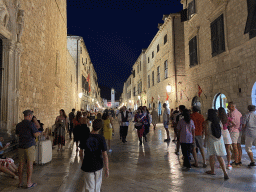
[[124, 118], [166, 118]]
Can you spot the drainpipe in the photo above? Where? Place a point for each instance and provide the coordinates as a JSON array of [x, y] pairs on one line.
[[174, 59]]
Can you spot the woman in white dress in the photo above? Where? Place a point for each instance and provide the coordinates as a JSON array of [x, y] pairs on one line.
[[214, 142]]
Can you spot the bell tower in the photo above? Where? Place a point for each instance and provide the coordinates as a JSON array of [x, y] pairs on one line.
[[112, 97]]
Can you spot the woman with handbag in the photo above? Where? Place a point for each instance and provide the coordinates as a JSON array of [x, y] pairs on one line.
[[215, 144], [139, 118], [107, 129]]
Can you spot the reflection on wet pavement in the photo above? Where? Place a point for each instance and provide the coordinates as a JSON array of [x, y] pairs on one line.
[[150, 167]]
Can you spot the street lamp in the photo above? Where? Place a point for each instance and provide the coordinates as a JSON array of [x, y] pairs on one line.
[[80, 95], [168, 88]]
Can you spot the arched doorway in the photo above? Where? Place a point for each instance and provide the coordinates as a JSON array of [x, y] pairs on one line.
[[220, 100], [196, 102], [253, 95]]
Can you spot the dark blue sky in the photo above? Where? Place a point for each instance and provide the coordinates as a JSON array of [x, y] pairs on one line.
[[115, 32]]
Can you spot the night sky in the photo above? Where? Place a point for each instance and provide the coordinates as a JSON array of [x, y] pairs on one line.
[[115, 32]]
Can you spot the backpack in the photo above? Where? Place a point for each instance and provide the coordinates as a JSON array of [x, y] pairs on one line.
[[216, 130]]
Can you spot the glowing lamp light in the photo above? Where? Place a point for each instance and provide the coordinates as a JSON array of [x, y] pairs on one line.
[[168, 88], [80, 95], [139, 97]]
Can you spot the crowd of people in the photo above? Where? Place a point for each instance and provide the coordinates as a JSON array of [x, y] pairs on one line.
[[220, 134]]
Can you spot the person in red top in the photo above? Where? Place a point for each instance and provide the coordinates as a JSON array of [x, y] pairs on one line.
[[198, 121]]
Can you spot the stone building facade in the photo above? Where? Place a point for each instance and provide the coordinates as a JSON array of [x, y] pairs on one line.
[[34, 65], [158, 66], [220, 61], [87, 86], [165, 64]]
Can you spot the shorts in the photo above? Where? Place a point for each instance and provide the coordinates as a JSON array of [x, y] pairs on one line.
[[199, 141], [248, 143], [27, 154], [165, 125], [236, 137], [226, 137]]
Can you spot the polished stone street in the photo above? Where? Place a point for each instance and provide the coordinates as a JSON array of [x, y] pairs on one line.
[[150, 167]]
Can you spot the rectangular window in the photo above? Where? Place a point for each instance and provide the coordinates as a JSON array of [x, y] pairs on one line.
[[165, 39], [134, 91], [158, 48], [193, 51], [166, 69], [153, 79], [81, 49], [191, 9], [148, 81], [133, 73], [251, 18], [152, 54], [86, 60], [217, 36], [140, 65], [158, 74], [138, 69], [148, 59], [82, 60], [130, 81]]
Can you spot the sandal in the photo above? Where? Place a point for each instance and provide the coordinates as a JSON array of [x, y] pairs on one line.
[[31, 186], [210, 173]]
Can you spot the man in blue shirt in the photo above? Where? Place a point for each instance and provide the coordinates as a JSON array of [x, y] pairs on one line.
[[26, 131]]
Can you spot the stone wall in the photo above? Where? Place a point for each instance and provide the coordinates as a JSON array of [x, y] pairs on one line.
[[231, 72], [43, 71]]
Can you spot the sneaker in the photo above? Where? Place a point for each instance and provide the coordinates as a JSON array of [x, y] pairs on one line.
[[204, 165], [252, 164], [110, 150], [167, 140], [229, 167]]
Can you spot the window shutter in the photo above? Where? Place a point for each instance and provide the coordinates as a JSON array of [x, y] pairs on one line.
[[214, 38], [221, 34], [191, 9], [191, 52], [195, 61], [184, 15], [250, 23]]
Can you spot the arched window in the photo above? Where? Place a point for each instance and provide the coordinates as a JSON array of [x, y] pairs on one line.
[[220, 100], [254, 94]]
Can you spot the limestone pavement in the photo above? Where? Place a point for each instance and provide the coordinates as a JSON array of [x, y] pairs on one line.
[[151, 167]]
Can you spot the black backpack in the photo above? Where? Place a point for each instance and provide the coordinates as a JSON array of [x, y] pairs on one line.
[[216, 130]]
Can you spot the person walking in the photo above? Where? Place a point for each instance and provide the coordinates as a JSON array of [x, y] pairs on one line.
[[93, 154], [174, 123], [77, 128], [154, 115], [139, 118], [107, 129], [61, 124], [249, 125], [226, 122], [124, 118], [186, 132], [178, 118], [198, 120], [166, 119], [84, 129], [235, 134], [71, 116], [26, 131], [146, 122], [214, 142]]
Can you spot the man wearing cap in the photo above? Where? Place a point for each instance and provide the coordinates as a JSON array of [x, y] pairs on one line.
[[26, 131], [249, 124]]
